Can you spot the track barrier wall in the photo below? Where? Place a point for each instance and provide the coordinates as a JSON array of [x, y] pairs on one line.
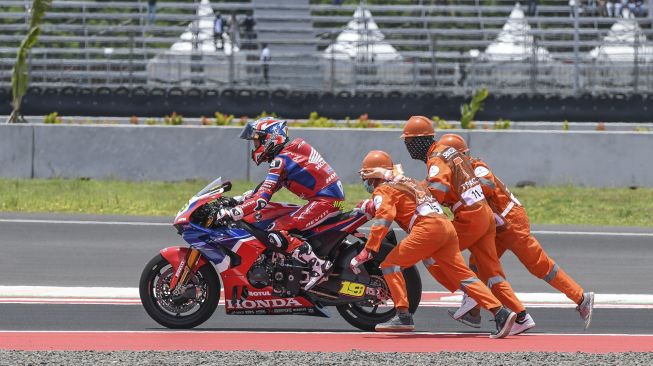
[[390, 105], [174, 153]]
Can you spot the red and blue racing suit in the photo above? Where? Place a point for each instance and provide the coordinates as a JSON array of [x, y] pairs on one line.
[[303, 171]]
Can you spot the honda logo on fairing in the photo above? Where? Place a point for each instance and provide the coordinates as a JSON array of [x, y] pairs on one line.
[[270, 303]]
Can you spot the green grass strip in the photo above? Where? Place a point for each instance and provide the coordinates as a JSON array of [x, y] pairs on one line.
[[546, 205]]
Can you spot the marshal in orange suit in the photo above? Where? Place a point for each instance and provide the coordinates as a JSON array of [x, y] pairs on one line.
[[514, 234], [451, 180], [430, 235]]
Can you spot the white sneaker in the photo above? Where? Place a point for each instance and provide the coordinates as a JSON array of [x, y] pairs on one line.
[[467, 305], [585, 308], [523, 325], [468, 319]]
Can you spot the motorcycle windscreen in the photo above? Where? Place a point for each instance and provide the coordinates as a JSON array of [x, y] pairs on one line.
[[213, 186]]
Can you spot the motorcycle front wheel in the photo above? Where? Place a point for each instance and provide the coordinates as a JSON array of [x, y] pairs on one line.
[[365, 316], [191, 307]]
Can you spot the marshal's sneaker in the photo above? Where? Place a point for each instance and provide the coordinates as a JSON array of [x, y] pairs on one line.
[[465, 306], [504, 320], [585, 308], [468, 319], [402, 322], [522, 323]]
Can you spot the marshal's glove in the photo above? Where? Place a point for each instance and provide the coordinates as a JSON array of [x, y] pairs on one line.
[[359, 259], [366, 207]]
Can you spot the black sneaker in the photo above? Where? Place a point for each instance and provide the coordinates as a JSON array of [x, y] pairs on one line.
[[402, 322], [504, 321]]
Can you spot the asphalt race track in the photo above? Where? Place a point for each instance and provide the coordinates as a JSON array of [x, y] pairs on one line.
[[109, 252]]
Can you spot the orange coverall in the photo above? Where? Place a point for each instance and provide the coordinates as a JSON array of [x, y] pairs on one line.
[[514, 234], [451, 180], [430, 235]]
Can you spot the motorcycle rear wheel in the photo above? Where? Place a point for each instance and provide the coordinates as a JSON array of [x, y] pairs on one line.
[[364, 319], [178, 312]]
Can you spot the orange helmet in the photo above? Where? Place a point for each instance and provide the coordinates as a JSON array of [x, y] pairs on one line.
[[418, 126], [455, 141], [375, 164], [377, 159]]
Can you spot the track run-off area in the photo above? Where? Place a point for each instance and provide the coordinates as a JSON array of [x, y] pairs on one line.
[[69, 283]]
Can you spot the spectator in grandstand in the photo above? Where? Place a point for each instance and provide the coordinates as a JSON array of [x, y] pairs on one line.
[[610, 8], [151, 11], [248, 25], [532, 8], [573, 9], [590, 10], [603, 8], [218, 31], [619, 7], [635, 7], [234, 31], [265, 60]]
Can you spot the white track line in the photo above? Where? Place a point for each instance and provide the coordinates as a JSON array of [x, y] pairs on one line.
[[83, 222], [143, 223], [130, 296], [589, 233]]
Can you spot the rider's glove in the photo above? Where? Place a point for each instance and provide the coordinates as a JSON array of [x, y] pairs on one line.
[[359, 259], [235, 213], [245, 196], [366, 207]]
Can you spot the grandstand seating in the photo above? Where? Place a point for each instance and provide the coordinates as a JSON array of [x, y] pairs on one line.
[[109, 43]]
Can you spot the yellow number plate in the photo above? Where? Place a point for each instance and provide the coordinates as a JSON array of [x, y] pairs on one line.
[[352, 289]]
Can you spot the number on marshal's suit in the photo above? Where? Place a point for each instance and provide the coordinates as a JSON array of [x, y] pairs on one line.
[[473, 195]]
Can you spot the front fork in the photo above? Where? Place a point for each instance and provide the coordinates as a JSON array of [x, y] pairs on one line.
[[187, 266]]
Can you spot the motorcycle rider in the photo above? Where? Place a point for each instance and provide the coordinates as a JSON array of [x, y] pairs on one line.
[[451, 180], [297, 166], [430, 235], [514, 234]]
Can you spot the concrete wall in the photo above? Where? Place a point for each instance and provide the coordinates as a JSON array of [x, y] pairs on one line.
[[586, 158], [16, 146]]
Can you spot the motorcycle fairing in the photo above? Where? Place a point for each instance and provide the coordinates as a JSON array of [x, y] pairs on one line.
[[211, 192], [242, 299], [175, 255], [272, 211]]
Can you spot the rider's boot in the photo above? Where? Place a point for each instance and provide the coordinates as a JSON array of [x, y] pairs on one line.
[[318, 267]]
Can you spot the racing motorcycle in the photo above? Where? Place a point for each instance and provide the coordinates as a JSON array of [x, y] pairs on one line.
[[180, 287]]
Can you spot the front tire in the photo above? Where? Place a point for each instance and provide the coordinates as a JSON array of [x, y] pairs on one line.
[[193, 307], [365, 317]]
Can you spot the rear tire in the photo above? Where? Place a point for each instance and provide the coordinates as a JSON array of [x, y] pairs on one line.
[[361, 318], [181, 312]]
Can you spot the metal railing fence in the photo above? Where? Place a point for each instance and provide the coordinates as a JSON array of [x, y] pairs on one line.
[[437, 49]]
